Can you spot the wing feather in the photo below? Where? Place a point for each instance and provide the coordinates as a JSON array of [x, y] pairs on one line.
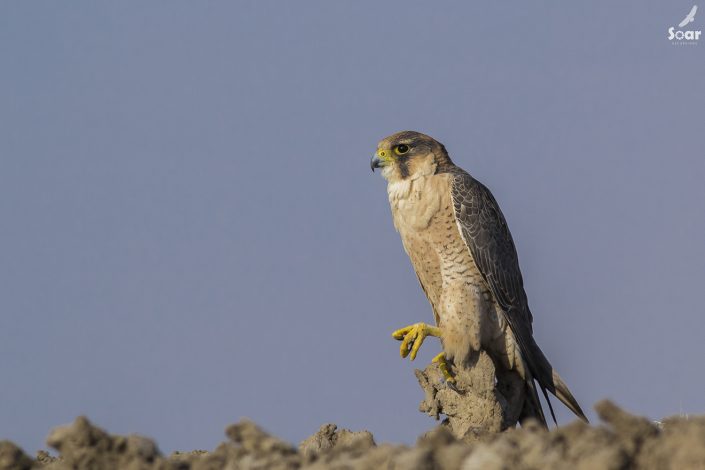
[[485, 232]]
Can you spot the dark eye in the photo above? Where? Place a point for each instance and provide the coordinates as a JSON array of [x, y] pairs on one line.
[[401, 149]]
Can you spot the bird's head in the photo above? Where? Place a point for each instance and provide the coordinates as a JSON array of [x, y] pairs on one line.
[[409, 154]]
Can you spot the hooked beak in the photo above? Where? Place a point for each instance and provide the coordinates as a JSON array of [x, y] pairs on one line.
[[376, 162]]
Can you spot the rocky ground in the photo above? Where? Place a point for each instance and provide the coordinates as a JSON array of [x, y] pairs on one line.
[[621, 441], [477, 432]]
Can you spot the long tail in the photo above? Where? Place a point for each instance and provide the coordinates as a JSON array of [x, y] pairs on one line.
[[550, 381], [564, 395], [538, 368]]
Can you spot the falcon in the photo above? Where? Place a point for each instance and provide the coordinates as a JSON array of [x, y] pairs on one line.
[[464, 257]]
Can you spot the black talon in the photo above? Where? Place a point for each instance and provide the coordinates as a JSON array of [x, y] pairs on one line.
[[451, 385]]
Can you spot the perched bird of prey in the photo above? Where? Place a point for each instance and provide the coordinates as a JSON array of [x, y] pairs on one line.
[[464, 257], [689, 18]]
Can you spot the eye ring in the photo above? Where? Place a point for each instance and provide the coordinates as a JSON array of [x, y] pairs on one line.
[[401, 149]]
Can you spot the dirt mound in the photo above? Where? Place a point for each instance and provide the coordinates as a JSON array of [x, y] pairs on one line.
[[623, 441]]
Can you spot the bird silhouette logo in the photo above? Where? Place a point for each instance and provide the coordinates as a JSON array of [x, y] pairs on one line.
[[690, 18]]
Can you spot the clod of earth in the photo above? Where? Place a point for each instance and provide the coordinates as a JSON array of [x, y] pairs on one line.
[[622, 441]]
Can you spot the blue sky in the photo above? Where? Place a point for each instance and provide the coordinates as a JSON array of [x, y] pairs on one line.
[[191, 233]]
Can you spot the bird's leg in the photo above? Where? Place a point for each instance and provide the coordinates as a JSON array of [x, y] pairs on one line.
[[412, 337], [445, 370]]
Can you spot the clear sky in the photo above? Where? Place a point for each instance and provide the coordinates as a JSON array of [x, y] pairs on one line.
[[191, 233]]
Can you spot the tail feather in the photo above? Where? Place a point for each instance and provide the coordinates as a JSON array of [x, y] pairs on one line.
[[550, 406], [548, 379], [564, 395], [535, 410], [538, 368]]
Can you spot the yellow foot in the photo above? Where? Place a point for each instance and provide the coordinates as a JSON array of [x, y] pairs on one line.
[[443, 365], [412, 337]]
